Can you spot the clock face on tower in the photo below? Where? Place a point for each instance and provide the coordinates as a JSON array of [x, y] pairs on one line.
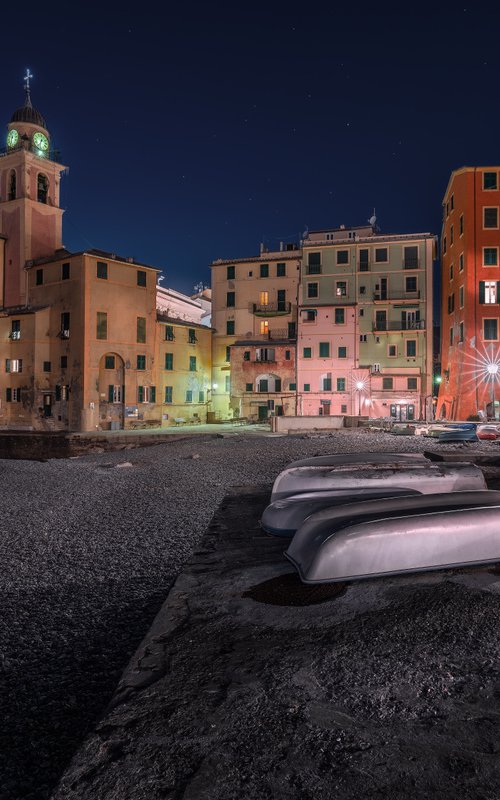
[[40, 141], [12, 138]]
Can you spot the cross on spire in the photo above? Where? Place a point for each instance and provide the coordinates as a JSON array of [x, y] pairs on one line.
[[27, 87]]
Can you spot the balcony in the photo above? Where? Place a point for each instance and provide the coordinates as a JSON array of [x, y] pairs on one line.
[[49, 155], [15, 335], [414, 325], [313, 269], [277, 334], [383, 297], [270, 309], [410, 262]]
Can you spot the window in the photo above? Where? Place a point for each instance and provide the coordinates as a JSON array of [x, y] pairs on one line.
[[280, 270], [312, 290], [141, 362], [293, 387], [13, 365], [141, 277], [380, 255], [288, 355], [363, 337], [339, 316], [64, 362], [392, 350], [102, 325], [342, 256], [169, 361], [65, 271], [451, 271], [341, 288], [444, 245], [490, 256], [461, 262], [310, 316], [387, 384], [452, 235], [248, 387], [62, 392], [451, 303], [343, 409], [102, 270], [227, 383], [490, 329], [39, 277], [109, 362], [115, 394], [314, 263], [307, 352], [47, 366], [146, 394], [327, 384], [230, 327], [168, 394], [342, 352], [488, 292], [264, 270], [451, 337], [65, 319], [490, 181], [411, 284], [461, 225], [192, 363], [228, 353], [141, 330], [264, 326], [263, 385], [13, 395], [410, 260], [230, 299], [307, 387], [189, 396], [490, 217], [192, 336], [169, 333], [277, 384], [461, 333], [461, 296], [230, 273], [12, 185], [411, 348], [201, 396], [340, 384], [412, 384], [452, 202], [42, 188], [15, 329], [324, 349], [264, 298], [364, 260], [246, 355]]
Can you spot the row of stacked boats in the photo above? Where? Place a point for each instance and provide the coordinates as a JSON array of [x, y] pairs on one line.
[[355, 516]]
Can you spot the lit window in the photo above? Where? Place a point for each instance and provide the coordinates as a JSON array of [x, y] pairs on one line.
[[15, 329], [488, 292], [115, 394], [264, 326], [264, 298], [13, 365], [341, 288]]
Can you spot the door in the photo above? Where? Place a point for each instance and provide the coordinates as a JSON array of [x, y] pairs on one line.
[[410, 320], [383, 288], [262, 413], [47, 405], [281, 299], [381, 320]]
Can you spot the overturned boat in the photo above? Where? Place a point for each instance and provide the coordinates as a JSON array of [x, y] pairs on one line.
[[398, 535], [285, 516], [344, 459], [424, 476]]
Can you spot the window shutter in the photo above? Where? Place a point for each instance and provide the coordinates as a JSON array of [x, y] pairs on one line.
[[152, 394], [277, 385], [7, 365], [123, 394], [498, 291], [110, 393], [481, 291], [58, 392], [8, 395], [140, 394]]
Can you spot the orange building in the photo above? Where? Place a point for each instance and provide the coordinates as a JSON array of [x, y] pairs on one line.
[[470, 285]]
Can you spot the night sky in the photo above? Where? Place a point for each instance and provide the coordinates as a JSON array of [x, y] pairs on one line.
[[195, 132]]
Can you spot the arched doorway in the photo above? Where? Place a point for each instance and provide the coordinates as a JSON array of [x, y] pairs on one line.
[[111, 392]]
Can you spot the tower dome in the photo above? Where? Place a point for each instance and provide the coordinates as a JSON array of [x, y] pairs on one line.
[[28, 114]]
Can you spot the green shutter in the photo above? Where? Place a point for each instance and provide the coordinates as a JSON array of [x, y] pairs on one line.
[[481, 293], [277, 385], [140, 394], [8, 395], [110, 393], [498, 291], [152, 394], [123, 394]]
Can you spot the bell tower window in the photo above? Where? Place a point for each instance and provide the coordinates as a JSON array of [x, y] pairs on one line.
[[42, 188], [12, 185]]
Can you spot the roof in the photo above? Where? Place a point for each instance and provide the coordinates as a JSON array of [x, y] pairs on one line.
[[176, 321], [62, 254], [285, 255], [28, 114]]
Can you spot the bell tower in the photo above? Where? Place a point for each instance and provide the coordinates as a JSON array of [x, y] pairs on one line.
[[30, 214]]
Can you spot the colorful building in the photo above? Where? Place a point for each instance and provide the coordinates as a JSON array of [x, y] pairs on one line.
[[254, 315], [470, 280]]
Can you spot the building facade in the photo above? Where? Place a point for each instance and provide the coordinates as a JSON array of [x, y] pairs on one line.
[[470, 280]]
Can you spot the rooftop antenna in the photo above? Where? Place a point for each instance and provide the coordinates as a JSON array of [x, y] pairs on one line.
[[27, 77], [160, 278]]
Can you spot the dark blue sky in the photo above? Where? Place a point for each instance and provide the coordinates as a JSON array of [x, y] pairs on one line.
[[195, 132]]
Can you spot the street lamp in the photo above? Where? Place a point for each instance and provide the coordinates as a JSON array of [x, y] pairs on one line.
[[359, 386], [492, 369]]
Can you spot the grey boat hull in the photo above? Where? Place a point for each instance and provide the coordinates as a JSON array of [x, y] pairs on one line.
[[398, 535], [426, 478]]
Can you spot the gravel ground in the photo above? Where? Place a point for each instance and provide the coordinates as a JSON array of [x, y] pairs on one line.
[[88, 553]]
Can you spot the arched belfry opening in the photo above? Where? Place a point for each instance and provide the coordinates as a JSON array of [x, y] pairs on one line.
[[12, 191], [42, 188]]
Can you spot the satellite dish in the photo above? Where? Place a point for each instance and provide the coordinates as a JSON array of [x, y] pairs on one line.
[[373, 219]]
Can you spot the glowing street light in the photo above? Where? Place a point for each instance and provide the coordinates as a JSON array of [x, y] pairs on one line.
[[359, 386], [492, 369]]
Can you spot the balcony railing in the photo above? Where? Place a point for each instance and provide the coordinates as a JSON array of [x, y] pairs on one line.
[[416, 325], [277, 334], [271, 309], [50, 155], [410, 262], [383, 296], [15, 335]]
